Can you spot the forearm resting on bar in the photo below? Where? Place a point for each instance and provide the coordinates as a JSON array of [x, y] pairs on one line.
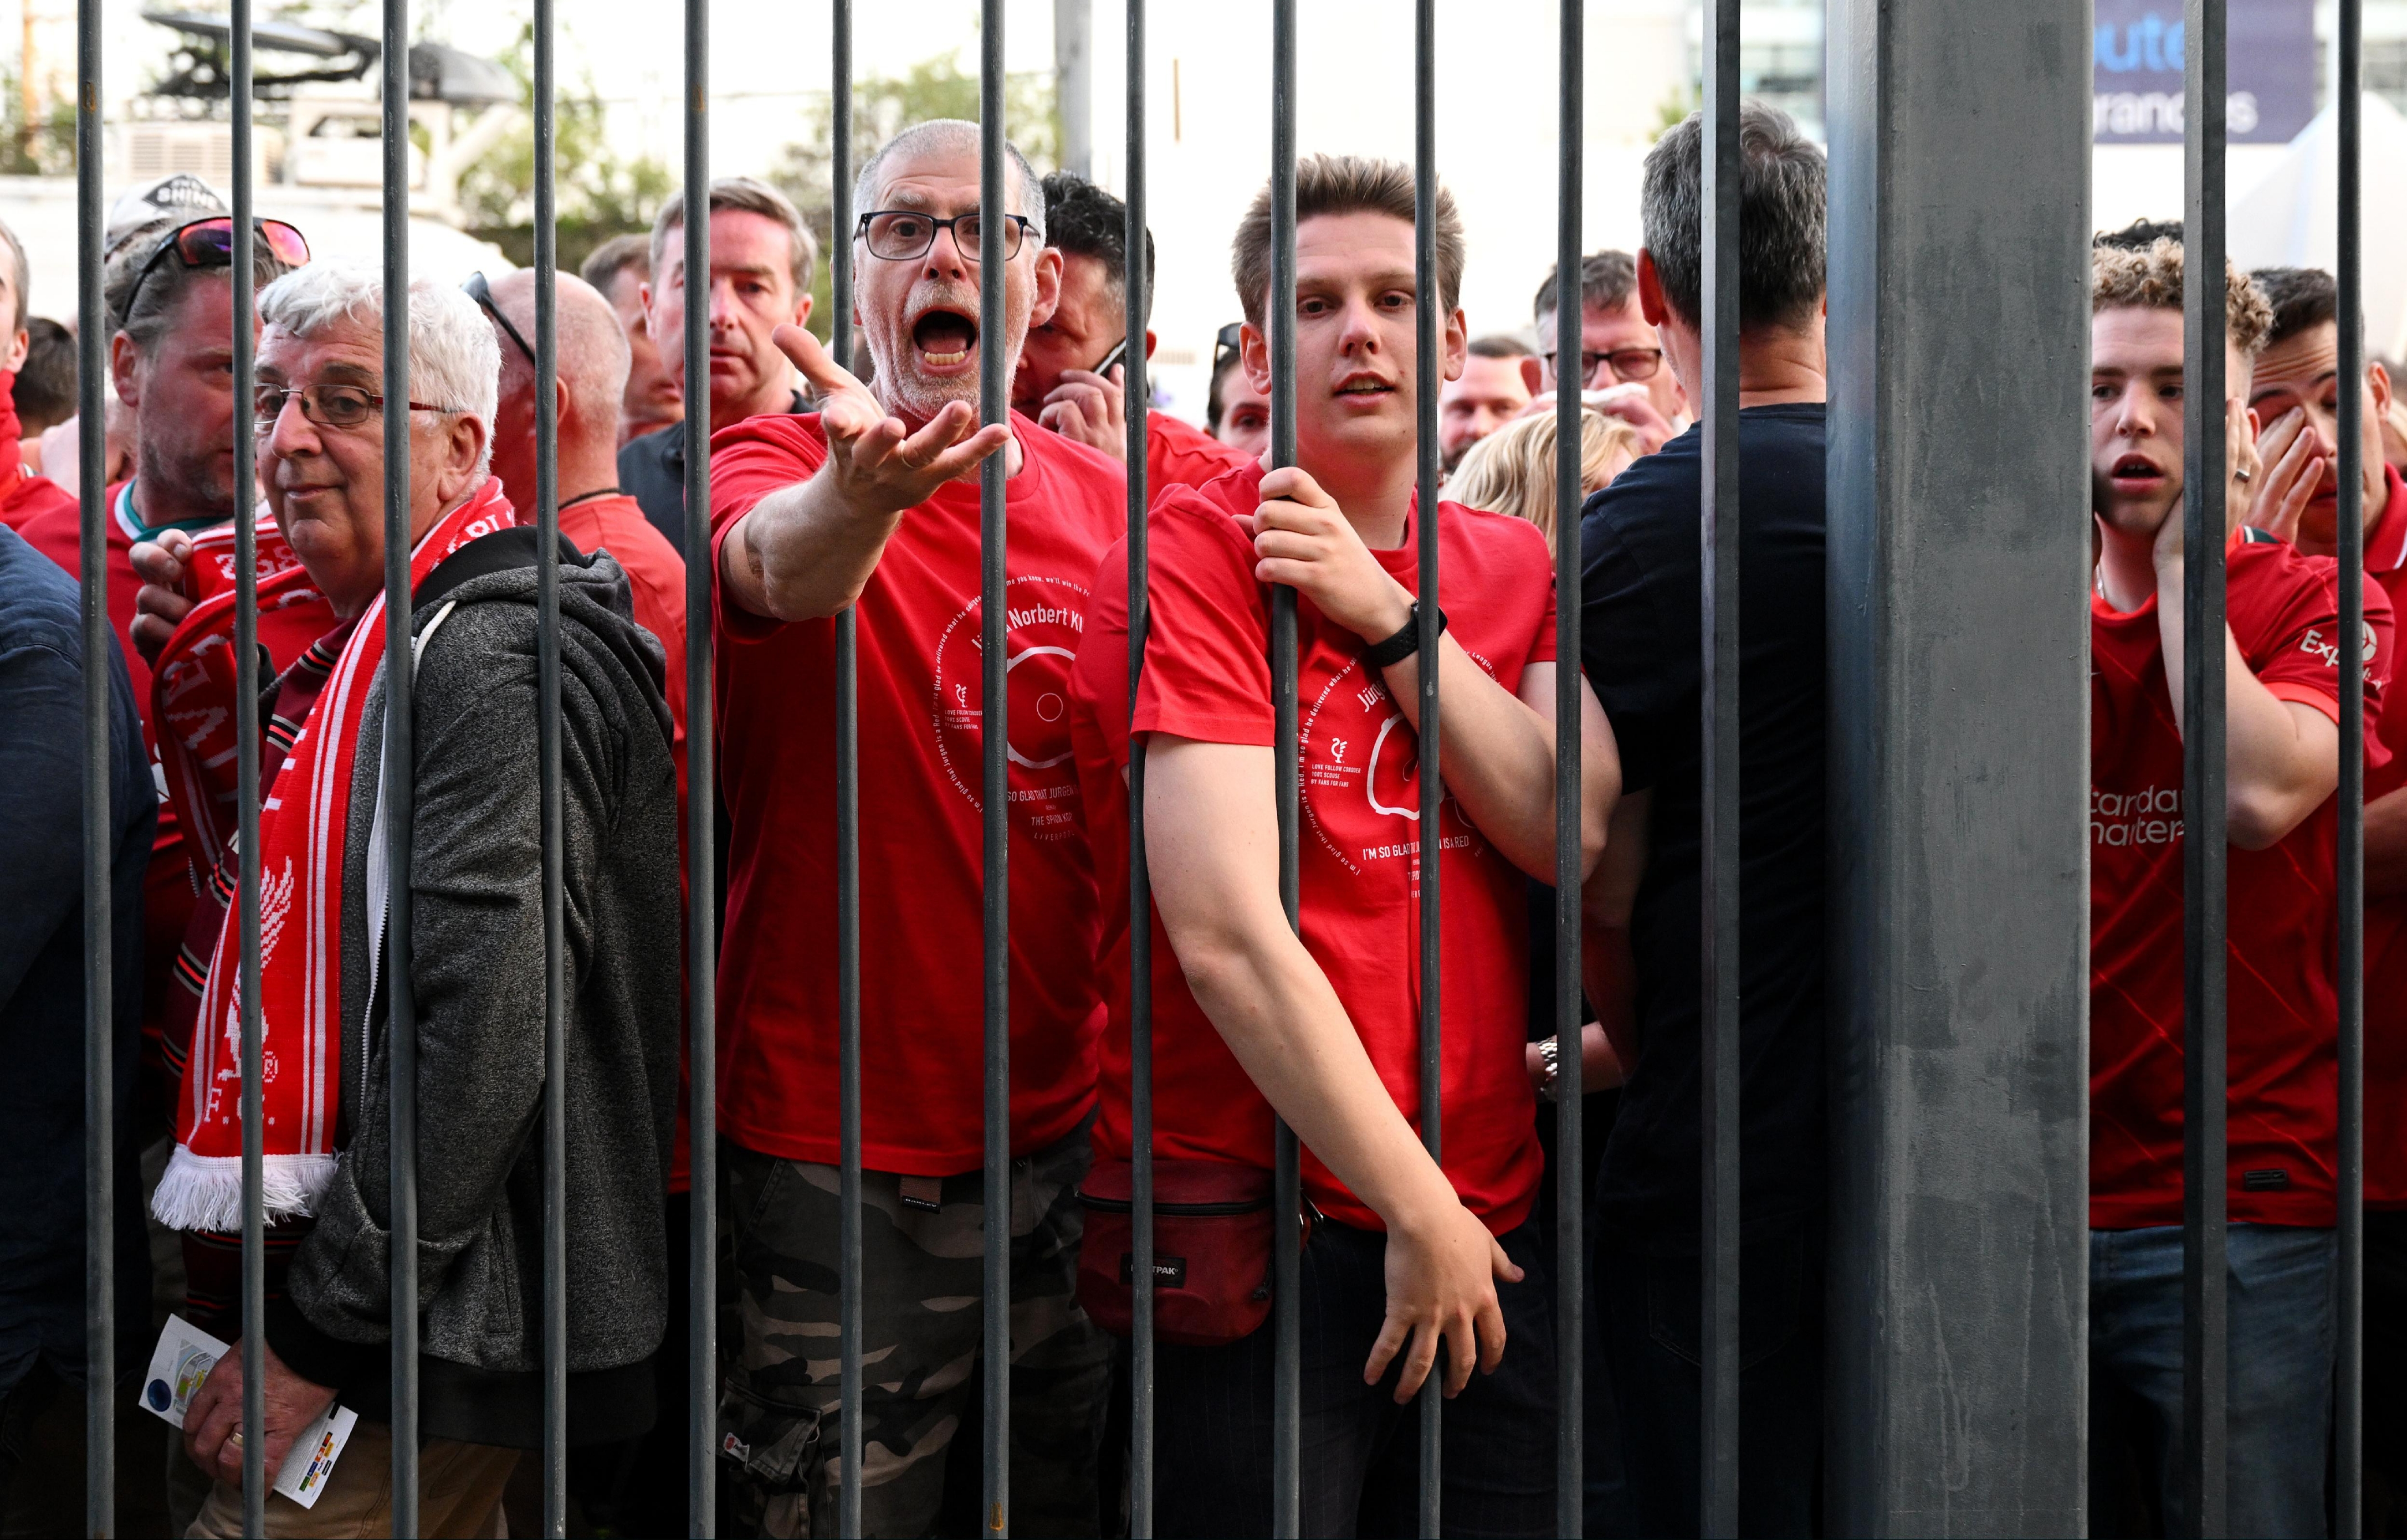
[[1211, 838], [1496, 751], [1608, 964], [2281, 758], [802, 553]]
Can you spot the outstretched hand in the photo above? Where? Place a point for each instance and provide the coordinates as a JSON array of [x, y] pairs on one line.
[[877, 463]]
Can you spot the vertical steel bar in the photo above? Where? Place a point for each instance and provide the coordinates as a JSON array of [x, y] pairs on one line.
[[701, 763], [1718, 1470], [99, 1021], [1571, 1169], [246, 693], [994, 403], [1286, 1384], [847, 824], [555, 944], [400, 792], [1427, 314], [1137, 395], [2349, 1419], [2204, 1157]]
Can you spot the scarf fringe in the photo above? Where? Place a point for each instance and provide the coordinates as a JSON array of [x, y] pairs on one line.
[[205, 1191]]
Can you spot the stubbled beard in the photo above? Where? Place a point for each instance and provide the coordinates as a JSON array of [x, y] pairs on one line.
[[194, 482], [908, 393]]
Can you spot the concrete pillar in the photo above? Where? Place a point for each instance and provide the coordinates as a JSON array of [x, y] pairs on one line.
[[1958, 587], [1074, 82]]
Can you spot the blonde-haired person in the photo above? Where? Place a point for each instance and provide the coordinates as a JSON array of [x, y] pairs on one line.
[[1512, 471]]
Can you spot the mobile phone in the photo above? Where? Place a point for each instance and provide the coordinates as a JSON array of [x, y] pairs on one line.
[[1120, 351]]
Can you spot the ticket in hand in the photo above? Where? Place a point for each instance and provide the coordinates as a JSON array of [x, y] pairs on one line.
[[182, 1363]]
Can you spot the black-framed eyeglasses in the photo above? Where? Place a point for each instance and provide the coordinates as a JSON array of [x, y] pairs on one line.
[[326, 405], [1227, 345], [904, 235], [1629, 364], [482, 293], [209, 242]]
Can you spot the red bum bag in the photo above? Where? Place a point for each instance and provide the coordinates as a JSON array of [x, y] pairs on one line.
[[1212, 1234]]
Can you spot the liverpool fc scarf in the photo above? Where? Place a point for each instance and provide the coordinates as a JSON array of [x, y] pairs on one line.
[[302, 828]]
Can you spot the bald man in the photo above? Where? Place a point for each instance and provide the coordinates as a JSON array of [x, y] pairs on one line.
[[594, 515]]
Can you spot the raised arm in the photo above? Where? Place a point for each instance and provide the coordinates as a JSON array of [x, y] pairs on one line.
[[806, 551], [1212, 841]]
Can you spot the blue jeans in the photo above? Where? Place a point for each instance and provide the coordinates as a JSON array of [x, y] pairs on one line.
[[2279, 1331]]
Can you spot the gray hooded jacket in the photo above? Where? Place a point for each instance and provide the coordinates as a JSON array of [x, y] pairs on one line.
[[477, 956]]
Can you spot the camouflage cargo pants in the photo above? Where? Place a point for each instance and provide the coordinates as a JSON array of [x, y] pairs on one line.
[[921, 1272]]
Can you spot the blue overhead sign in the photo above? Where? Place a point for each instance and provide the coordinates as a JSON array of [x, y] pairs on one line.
[[2270, 82]]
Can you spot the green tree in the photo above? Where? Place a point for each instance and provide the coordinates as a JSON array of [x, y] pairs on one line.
[[44, 147], [599, 192], [883, 106]]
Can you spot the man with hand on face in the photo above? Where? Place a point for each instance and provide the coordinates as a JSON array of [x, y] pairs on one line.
[[2295, 393], [170, 302], [477, 918], [1621, 369], [872, 506], [1070, 372], [760, 261], [23, 495], [2281, 720], [1322, 1027]]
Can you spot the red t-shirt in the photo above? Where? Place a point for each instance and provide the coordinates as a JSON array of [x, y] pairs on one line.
[[1178, 454], [23, 496], [656, 580], [2386, 919], [1207, 677], [922, 863], [2281, 1009]]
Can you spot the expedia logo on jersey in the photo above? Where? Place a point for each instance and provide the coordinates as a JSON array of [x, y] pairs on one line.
[[1044, 617], [2119, 819], [2315, 644], [1362, 766]]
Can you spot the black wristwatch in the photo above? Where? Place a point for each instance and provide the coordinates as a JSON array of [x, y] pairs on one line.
[[1388, 653]]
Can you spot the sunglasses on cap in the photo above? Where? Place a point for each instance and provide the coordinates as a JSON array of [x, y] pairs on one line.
[[482, 293], [1230, 340], [210, 243]]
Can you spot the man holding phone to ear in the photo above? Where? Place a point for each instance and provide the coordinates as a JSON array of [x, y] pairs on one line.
[[1070, 375]]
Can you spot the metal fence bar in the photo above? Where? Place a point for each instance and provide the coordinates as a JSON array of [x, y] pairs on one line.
[[702, 775], [2349, 1411], [400, 792], [2204, 1155], [555, 942], [1139, 284], [1571, 1233], [99, 1021], [1718, 1469], [1287, 1278], [848, 822], [1427, 315], [246, 708], [995, 405]]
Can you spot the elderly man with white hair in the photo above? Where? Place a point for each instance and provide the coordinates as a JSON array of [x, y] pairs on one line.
[[476, 941], [871, 505]]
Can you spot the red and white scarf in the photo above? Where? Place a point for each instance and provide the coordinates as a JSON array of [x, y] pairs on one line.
[[302, 827]]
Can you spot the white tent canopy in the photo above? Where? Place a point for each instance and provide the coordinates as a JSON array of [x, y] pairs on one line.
[[2291, 217]]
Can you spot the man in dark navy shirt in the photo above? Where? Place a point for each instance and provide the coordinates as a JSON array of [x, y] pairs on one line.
[[42, 1346], [1640, 613]]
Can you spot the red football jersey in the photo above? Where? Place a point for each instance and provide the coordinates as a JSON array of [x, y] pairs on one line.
[[1179, 455], [2283, 608], [1207, 677], [2385, 918], [922, 862]]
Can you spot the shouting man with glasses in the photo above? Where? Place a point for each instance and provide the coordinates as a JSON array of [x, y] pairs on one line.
[[170, 306], [1620, 369], [477, 916], [1070, 372], [872, 506]]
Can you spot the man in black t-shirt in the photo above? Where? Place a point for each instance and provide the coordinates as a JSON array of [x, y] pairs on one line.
[[1639, 612]]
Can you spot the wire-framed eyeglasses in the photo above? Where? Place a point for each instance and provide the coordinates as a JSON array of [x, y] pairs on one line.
[[326, 405], [905, 234]]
